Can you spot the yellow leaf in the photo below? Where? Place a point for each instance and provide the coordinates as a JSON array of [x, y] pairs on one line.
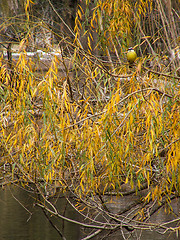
[[126, 180], [89, 43]]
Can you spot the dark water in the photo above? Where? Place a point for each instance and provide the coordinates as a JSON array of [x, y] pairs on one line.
[[18, 223]]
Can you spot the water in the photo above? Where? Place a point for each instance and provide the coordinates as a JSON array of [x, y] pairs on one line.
[[16, 223], [21, 220]]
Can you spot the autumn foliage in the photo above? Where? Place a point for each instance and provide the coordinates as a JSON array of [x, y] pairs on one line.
[[89, 123]]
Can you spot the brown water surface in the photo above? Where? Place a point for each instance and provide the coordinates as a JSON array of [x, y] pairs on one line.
[[20, 220]]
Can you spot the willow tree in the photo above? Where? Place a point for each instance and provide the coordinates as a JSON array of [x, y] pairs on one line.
[[94, 128]]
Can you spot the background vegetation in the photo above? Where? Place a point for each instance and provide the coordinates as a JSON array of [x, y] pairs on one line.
[[78, 119]]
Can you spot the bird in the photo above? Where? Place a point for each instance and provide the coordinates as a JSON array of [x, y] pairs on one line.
[[131, 55]]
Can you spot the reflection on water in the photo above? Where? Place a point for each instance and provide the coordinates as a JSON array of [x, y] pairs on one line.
[[18, 223]]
